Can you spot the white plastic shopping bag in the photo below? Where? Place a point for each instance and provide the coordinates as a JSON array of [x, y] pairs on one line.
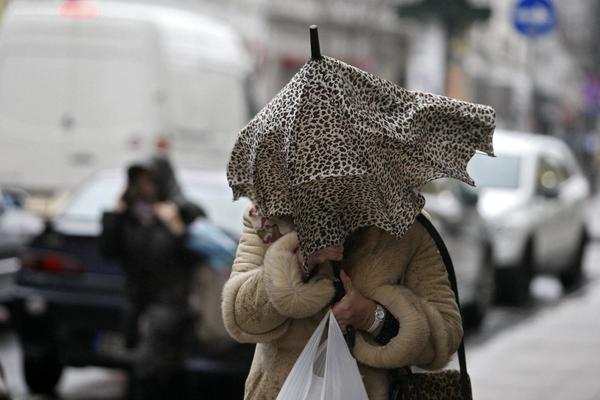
[[324, 371]]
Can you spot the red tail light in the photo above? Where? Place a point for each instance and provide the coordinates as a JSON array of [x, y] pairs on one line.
[[50, 262], [78, 9]]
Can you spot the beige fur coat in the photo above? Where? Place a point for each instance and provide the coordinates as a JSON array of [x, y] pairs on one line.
[[266, 302]]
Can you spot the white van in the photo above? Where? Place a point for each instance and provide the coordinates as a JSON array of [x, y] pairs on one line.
[[90, 85]]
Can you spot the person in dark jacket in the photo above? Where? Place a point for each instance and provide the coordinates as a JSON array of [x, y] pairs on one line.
[[146, 233]]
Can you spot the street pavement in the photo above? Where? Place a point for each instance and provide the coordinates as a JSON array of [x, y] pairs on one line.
[[88, 383], [553, 355], [548, 350]]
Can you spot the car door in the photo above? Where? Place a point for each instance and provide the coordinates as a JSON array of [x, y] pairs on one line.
[[558, 232], [548, 196], [574, 191], [461, 228]]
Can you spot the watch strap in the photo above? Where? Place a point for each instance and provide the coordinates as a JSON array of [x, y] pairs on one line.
[[377, 321], [389, 330]]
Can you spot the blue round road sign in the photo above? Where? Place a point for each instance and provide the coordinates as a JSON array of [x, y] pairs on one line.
[[534, 17]]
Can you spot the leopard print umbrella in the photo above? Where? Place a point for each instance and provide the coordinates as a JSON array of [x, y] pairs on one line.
[[339, 148]]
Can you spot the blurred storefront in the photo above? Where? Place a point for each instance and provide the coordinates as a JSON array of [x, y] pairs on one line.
[[468, 49], [534, 83], [365, 34]]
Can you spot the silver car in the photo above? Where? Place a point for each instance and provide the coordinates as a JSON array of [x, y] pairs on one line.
[[453, 207], [533, 197]]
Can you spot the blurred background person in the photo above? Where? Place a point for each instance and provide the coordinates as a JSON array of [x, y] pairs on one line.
[[147, 233]]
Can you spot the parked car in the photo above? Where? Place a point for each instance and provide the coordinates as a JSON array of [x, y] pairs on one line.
[[533, 196], [68, 298], [453, 207], [17, 227]]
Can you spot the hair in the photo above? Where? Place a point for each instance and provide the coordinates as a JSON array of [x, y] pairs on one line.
[[131, 194]]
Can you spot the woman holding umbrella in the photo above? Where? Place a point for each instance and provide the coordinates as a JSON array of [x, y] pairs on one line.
[[333, 165]]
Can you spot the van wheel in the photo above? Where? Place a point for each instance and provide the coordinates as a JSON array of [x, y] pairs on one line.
[[573, 275], [42, 372], [512, 283]]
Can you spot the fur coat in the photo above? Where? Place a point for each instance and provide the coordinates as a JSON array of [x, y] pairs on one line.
[[266, 302]]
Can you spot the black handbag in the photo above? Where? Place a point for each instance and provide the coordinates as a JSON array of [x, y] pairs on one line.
[[437, 385]]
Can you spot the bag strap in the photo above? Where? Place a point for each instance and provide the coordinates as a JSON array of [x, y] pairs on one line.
[[462, 359]]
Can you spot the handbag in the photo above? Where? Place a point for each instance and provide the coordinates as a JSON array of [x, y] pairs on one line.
[[436, 385]]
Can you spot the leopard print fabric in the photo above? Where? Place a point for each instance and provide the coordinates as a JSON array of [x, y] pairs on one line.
[[339, 148], [441, 385]]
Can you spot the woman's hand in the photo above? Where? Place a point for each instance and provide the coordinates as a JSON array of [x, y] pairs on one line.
[[121, 206], [354, 309], [168, 214], [332, 253]]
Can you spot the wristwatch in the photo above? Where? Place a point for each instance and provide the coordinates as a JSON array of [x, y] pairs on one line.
[[379, 318]]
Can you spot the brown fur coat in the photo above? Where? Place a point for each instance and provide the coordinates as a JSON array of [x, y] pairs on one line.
[[265, 302]]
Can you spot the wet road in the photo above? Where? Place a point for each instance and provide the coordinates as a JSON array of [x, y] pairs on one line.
[[547, 294], [99, 383]]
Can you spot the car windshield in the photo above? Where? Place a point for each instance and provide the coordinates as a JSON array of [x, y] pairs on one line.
[[501, 172], [102, 193], [95, 196], [217, 201]]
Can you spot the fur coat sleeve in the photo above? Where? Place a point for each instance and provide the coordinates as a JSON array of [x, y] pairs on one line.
[[265, 289], [430, 323]]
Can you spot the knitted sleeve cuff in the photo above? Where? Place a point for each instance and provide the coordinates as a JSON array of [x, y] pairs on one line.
[[283, 281]]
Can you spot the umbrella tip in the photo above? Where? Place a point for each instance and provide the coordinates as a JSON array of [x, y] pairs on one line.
[[315, 48]]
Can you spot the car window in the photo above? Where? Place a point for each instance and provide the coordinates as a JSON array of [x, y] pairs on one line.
[[217, 202], [502, 171], [101, 194], [94, 197], [563, 172], [561, 169], [440, 185], [5, 200], [551, 172], [431, 187], [10, 201]]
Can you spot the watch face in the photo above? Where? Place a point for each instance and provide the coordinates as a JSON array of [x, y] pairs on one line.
[[379, 313]]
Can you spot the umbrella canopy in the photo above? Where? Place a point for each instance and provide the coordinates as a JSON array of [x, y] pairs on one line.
[[339, 148]]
